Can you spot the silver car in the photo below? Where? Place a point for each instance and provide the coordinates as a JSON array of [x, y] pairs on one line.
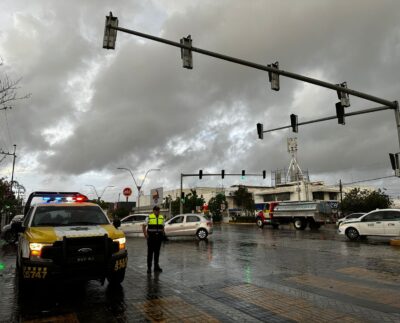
[[189, 225], [133, 223], [7, 232]]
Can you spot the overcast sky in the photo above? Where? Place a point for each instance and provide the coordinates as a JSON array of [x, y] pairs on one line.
[[92, 110]]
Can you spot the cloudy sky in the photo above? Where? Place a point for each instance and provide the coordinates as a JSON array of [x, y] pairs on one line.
[[92, 110]]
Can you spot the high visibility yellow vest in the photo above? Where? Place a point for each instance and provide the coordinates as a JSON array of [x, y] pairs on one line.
[[155, 224]]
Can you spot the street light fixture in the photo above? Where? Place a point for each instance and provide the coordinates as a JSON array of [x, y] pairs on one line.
[[94, 189], [139, 187]]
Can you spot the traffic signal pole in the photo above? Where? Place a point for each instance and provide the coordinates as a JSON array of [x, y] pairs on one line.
[[211, 174], [266, 68], [346, 115], [397, 117]]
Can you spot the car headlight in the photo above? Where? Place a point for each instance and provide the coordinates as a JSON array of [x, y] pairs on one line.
[[36, 248], [122, 242]]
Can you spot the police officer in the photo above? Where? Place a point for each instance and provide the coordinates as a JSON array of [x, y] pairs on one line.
[[153, 230]]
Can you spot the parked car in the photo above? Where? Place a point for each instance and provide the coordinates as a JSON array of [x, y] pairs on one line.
[[189, 225], [348, 217], [8, 233], [385, 222], [133, 223]]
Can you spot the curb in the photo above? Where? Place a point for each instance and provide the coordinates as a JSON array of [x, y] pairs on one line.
[[395, 242], [244, 223]]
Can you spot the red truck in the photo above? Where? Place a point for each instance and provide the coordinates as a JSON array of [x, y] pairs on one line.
[[266, 215]]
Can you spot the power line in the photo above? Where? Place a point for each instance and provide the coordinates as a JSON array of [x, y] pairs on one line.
[[369, 180], [362, 180]]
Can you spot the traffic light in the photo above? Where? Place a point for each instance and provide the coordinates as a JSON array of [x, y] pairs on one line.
[[110, 35], [294, 122], [186, 54], [243, 174], [182, 197], [264, 174], [340, 113], [274, 77], [223, 173], [260, 130], [342, 96], [200, 173]]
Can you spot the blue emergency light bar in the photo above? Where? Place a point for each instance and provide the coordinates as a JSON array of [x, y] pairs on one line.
[[55, 196]]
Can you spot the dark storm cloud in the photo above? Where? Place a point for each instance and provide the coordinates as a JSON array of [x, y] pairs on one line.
[[143, 108]]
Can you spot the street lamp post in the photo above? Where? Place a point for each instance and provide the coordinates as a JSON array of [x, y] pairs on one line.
[[95, 191], [139, 187]]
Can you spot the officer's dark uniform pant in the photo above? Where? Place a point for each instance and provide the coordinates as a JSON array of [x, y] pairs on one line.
[[153, 247]]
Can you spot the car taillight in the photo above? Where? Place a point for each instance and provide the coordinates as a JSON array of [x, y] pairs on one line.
[[209, 223]]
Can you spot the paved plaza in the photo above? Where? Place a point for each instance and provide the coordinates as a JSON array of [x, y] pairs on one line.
[[242, 273]]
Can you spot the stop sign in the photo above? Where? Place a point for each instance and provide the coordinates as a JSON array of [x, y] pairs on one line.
[[127, 191]]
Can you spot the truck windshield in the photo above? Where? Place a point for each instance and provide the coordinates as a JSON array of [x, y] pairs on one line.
[[55, 216]]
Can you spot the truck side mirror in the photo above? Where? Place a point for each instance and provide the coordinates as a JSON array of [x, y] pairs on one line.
[[117, 223], [17, 227]]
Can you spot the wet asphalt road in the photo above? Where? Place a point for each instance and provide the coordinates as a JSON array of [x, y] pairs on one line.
[[241, 273]]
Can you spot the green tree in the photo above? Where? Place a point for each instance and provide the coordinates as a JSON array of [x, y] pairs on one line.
[[358, 200], [9, 204], [192, 200], [244, 199], [175, 206], [215, 205]]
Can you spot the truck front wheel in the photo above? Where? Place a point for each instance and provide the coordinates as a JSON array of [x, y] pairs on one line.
[[299, 224], [260, 222]]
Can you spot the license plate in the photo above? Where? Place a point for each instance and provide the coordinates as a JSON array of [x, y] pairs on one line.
[[85, 259]]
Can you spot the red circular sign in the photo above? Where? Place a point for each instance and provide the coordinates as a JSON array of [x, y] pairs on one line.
[[127, 191]]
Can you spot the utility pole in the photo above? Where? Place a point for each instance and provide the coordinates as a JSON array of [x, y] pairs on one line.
[[12, 174], [13, 167], [341, 196]]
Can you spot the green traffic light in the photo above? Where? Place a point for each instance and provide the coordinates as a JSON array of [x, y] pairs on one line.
[[2, 266]]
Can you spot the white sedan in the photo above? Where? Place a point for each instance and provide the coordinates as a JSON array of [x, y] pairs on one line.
[[348, 217], [384, 222], [133, 223]]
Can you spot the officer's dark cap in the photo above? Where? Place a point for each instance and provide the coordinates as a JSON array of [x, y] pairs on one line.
[[156, 208]]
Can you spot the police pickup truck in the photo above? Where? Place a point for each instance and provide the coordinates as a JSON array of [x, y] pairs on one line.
[[66, 237]]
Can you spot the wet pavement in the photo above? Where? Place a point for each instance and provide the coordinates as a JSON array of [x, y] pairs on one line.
[[241, 273]]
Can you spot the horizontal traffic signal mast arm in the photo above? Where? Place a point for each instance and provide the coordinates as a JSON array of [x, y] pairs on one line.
[[334, 117], [259, 67], [219, 174]]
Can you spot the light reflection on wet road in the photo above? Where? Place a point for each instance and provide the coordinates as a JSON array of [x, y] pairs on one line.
[[202, 275]]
